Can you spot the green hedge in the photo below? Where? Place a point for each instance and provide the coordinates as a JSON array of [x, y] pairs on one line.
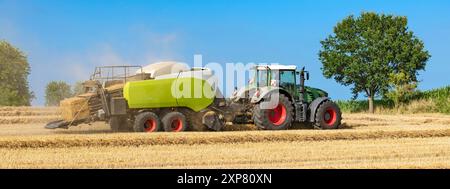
[[439, 97], [439, 93], [362, 105]]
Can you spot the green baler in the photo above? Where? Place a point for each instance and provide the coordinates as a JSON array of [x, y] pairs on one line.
[[174, 101], [168, 93]]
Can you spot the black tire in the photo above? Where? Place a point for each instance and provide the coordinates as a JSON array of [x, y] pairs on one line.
[[263, 120], [174, 122], [147, 122], [328, 116], [118, 123]]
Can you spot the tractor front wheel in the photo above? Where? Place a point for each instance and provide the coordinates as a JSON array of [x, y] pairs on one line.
[[328, 116], [278, 118], [147, 122]]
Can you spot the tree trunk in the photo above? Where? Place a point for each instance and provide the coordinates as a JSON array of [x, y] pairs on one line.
[[371, 108]]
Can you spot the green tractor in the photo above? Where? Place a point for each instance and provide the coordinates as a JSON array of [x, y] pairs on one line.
[[277, 96]]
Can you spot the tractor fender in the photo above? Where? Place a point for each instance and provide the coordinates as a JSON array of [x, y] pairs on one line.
[[265, 92], [314, 105]]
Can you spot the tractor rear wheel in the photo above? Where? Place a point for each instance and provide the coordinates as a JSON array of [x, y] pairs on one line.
[[174, 122], [328, 116], [118, 123], [147, 122], [278, 118]]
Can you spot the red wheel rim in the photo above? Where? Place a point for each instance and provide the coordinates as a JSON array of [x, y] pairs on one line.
[[176, 125], [329, 116], [150, 125], [277, 115]]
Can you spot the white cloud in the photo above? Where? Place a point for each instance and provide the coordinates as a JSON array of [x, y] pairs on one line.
[[155, 47], [48, 64], [106, 56], [70, 68], [78, 72]]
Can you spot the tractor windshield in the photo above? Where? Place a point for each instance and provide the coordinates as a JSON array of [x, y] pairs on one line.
[[287, 79]]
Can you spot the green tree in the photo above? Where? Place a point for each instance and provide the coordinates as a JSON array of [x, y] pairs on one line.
[[14, 71], [403, 89], [56, 91], [365, 50]]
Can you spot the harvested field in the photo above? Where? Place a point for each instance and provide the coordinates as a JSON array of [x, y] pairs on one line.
[[365, 141], [28, 108], [24, 115], [377, 153], [28, 119], [198, 138]]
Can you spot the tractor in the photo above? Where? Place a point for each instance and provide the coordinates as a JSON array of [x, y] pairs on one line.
[[277, 96]]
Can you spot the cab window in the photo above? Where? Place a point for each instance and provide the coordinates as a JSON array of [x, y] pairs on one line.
[[287, 79], [262, 78]]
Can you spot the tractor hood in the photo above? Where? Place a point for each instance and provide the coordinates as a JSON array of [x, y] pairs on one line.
[[320, 92]]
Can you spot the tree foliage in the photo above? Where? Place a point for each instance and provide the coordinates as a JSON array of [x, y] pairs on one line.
[[403, 89], [56, 91], [364, 51], [14, 71]]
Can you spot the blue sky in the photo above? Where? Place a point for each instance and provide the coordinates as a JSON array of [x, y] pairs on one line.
[[66, 39]]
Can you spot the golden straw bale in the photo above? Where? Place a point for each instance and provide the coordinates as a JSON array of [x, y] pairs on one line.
[[75, 107]]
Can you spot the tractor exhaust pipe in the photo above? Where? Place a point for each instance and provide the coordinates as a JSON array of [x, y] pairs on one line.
[[302, 85], [301, 108]]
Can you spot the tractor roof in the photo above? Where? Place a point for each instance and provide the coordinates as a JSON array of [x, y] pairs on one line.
[[276, 67]]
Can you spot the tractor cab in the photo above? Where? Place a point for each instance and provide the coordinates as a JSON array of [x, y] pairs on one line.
[[285, 77], [274, 75]]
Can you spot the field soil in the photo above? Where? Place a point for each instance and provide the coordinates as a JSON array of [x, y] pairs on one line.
[[364, 141]]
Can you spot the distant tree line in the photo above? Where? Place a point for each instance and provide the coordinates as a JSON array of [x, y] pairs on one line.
[[55, 91]]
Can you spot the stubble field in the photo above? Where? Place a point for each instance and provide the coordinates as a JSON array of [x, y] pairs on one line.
[[365, 141]]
